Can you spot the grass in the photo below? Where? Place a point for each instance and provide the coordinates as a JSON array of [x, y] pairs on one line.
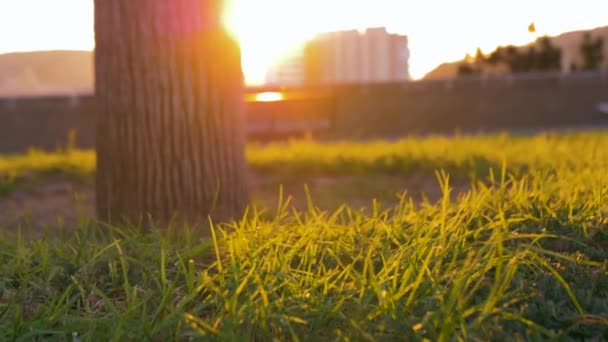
[[464, 158], [522, 255], [27, 169]]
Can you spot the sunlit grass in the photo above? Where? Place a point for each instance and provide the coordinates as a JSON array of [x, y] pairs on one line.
[[521, 255], [19, 169], [468, 158]]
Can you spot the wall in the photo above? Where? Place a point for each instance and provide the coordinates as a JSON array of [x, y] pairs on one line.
[[353, 111], [520, 103], [45, 122]]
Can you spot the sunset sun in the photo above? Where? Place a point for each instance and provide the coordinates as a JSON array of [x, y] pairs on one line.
[[266, 34]]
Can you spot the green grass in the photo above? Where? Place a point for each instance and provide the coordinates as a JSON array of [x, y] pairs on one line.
[[27, 169], [469, 158], [521, 256]]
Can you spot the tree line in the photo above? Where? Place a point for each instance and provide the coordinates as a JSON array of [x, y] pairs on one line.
[[541, 56]]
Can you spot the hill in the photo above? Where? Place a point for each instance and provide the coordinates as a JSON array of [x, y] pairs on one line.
[[46, 72], [569, 42]]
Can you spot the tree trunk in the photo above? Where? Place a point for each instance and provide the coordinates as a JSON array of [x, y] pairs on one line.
[[170, 136]]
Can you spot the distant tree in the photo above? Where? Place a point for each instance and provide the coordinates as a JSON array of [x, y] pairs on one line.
[[480, 58], [592, 52], [170, 133], [471, 65], [549, 57], [544, 57], [532, 59], [514, 60], [496, 56], [466, 69], [509, 56]]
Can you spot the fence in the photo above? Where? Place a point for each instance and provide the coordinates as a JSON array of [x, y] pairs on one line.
[[353, 111]]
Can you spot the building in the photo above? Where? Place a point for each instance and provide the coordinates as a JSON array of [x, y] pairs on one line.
[[346, 57], [287, 72]]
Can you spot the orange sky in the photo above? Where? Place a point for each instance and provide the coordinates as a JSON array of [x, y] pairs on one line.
[[439, 30]]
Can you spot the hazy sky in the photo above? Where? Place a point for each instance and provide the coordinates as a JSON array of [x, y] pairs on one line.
[[439, 30]]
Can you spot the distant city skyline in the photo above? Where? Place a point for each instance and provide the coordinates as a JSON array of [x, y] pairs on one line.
[[439, 31], [348, 56]]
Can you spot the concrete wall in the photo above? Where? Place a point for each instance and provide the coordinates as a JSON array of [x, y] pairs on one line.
[[45, 122], [512, 104], [354, 111]]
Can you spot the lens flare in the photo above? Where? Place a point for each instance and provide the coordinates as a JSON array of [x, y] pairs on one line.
[[269, 96]]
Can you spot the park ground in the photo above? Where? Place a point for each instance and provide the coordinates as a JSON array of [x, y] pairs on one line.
[[474, 238]]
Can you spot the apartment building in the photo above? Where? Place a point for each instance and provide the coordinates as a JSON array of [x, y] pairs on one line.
[[345, 57]]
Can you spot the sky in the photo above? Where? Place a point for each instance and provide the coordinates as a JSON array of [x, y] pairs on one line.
[[439, 30]]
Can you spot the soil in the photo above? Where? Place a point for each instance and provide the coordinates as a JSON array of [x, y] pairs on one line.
[[56, 202]]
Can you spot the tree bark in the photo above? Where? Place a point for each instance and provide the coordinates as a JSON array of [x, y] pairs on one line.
[[170, 135]]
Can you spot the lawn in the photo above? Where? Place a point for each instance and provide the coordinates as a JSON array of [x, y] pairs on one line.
[[506, 239]]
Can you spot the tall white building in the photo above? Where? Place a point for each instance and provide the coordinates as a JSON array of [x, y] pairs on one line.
[[346, 57], [289, 71]]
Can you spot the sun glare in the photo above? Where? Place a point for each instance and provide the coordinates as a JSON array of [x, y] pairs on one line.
[[266, 33], [269, 96]]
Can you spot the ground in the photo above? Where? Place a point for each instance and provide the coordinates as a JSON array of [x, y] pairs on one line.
[[61, 201]]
